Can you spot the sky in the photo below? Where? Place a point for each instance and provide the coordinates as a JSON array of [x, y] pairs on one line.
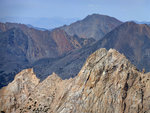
[[54, 13]]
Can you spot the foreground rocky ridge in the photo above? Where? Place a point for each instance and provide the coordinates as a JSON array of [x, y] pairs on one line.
[[107, 83]]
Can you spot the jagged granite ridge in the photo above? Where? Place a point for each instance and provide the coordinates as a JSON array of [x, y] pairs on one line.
[[107, 83]]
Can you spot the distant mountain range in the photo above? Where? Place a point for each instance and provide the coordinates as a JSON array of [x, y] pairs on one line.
[[64, 50], [38, 28], [45, 22], [20, 46], [143, 22]]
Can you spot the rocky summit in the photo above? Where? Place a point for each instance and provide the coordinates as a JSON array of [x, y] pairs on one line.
[[107, 83]]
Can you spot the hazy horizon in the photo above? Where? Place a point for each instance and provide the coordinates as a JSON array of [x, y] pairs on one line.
[[49, 14]]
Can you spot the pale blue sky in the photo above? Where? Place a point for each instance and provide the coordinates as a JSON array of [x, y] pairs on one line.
[[66, 11]]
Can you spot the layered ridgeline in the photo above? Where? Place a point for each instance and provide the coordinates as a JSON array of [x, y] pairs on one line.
[[107, 83], [131, 39], [22, 46], [47, 51], [41, 44]]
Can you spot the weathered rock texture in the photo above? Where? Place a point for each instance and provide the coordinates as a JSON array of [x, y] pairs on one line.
[[14, 95], [107, 83]]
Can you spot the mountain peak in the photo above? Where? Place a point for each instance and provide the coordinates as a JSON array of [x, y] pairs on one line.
[[93, 26], [98, 16], [112, 55], [53, 77], [104, 62]]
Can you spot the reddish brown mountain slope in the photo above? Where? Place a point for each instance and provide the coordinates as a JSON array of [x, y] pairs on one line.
[[45, 44]]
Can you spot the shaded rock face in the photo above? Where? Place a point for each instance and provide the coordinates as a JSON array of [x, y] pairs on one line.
[[93, 26], [107, 83], [13, 58]]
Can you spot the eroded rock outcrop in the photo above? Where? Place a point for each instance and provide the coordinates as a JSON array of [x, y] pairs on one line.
[[16, 93], [107, 83]]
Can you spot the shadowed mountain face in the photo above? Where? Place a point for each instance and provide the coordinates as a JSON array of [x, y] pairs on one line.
[[20, 46], [45, 44], [13, 58], [129, 38], [93, 26]]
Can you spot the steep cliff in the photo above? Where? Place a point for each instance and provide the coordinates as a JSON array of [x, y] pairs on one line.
[[107, 83]]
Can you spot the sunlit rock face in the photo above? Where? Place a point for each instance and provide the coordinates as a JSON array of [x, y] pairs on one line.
[[107, 83], [16, 93]]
